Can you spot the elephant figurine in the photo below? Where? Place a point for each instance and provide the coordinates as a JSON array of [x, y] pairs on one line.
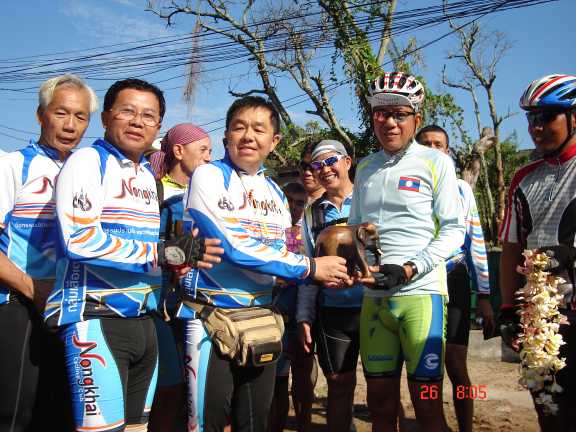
[[351, 242]]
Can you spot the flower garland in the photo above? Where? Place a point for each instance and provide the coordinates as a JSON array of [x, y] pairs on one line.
[[539, 339]]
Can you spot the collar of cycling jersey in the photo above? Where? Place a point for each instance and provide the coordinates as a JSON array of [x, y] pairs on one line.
[[115, 151], [566, 155], [238, 169], [326, 202], [399, 153], [47, 150], [167, 180]]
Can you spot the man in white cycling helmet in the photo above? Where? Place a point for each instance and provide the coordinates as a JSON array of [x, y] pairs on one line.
[[407, 191]]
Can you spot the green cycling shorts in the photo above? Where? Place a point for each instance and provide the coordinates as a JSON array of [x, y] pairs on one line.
[[408, 328]]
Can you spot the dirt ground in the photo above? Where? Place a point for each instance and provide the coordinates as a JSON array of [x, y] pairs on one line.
[[507, 407]]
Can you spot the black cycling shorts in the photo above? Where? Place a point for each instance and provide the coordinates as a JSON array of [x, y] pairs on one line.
[[227, 394], [112, 370], [33, 384], [458, 326], [566, 377], [337, 334]]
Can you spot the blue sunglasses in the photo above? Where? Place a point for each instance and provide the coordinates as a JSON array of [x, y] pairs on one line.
[[328, 162]]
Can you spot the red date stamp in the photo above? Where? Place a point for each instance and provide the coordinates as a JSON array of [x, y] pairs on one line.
[[471, 392]]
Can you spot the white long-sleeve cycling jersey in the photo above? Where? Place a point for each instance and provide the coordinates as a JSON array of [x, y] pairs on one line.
[[412, 198], [473, 252], [29, 232], [107, 208], [249, 214]]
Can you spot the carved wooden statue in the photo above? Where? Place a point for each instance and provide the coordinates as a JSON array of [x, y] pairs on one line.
[[351, 242]]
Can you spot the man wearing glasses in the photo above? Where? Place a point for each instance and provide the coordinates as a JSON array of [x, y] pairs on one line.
[[107, 278], [540, 214], [409, 192], [337, 322]]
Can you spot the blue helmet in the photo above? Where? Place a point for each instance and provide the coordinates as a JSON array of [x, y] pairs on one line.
[[551, 91]]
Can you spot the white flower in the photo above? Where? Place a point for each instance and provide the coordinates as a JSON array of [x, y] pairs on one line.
[[540, 339]]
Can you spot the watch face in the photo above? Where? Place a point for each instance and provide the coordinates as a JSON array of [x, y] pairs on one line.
[[174, 255]]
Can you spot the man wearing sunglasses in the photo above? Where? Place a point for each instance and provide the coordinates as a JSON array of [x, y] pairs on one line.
[[408, 191], [540, 214], [337, 321]]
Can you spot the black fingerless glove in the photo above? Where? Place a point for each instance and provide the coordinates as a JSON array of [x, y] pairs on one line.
[[509, 323], [561, 258], [389, 276], [181, 252]]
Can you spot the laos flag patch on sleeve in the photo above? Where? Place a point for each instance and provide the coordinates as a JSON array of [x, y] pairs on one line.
[[409, 184]]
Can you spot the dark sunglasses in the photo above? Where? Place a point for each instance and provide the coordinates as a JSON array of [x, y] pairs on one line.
[[304, 166], [542, 117], [328, 162]]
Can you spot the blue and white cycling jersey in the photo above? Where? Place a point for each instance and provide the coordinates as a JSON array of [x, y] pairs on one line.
[[29, 231], [473, 252], [249, 214], [107, 209]]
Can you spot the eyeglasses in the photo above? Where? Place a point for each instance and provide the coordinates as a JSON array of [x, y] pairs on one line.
[[398, 116], [304, 166], [148, 118], [541, 117], [328, 162]]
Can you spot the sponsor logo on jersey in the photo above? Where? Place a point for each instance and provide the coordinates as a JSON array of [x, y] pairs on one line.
[[85, 374], [148, 195], [81, 201], [265, 206], [225, 204], [431, 361], [409, 184]]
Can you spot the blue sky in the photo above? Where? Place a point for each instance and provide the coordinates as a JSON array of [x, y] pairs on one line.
[[542, 37]]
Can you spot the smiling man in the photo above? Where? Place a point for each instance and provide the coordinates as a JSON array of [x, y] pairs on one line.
[[231, 199], [540, 214], [108, 277], [408, 191], [28, 242], [337, 321]]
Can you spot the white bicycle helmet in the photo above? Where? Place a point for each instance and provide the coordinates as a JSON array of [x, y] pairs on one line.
[[396, 88]]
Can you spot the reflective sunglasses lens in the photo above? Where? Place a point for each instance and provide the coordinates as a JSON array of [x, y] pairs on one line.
[[316, 166], [331, 160]]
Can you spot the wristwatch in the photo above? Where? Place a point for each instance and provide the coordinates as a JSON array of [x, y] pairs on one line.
[[413, 267]]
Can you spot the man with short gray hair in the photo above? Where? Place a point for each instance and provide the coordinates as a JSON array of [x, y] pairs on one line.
[[28, 242]]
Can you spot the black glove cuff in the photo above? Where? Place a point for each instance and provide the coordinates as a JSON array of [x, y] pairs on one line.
[[160, 252], [312, 269]]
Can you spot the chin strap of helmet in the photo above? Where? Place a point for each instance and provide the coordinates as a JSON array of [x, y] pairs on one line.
[[571, 133]]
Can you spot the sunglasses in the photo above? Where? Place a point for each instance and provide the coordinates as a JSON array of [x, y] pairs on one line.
[[398, 116], [542, 117], [305, 166], [328, 162]]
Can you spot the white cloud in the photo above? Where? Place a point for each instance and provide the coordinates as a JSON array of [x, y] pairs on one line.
[[107, 25]]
